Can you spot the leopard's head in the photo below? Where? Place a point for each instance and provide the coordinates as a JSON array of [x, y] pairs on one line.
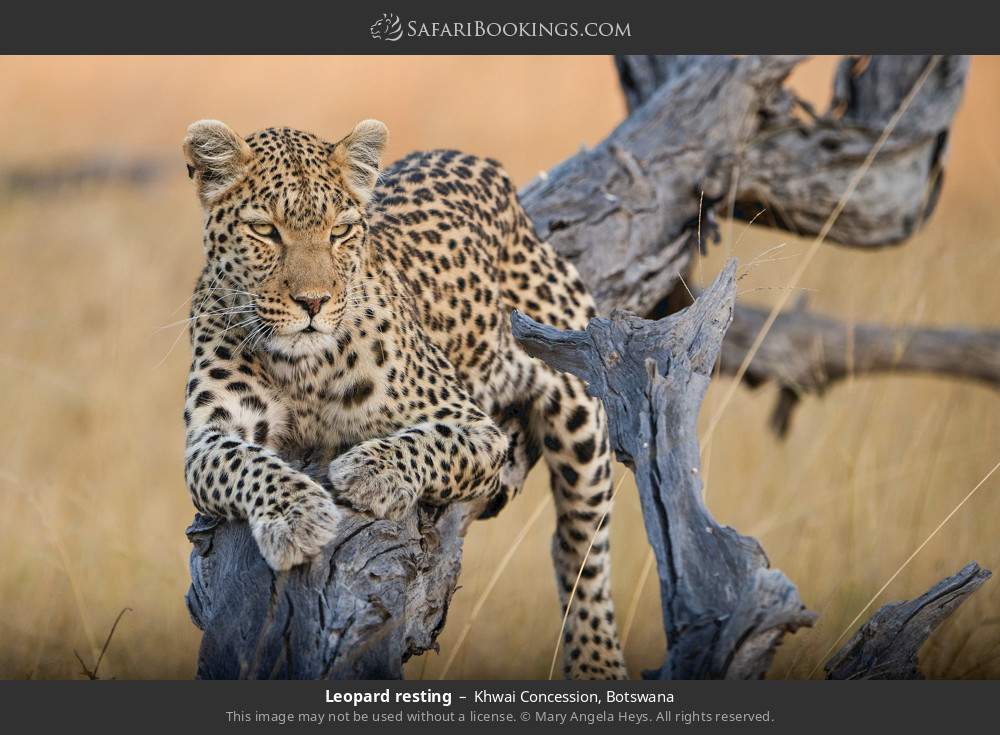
[[286, 225]]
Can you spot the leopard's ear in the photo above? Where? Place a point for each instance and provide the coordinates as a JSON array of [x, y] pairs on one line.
[[359, 156], [217, 158]]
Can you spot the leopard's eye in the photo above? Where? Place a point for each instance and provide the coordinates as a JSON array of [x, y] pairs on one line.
[[339, 231], [264, 229]]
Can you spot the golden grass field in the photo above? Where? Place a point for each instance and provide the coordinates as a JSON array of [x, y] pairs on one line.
[[91, 438]]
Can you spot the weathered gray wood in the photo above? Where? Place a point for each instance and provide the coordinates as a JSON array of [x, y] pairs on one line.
[[376, 596], [724, 609], [795, 165], [806, 353], [626, 212], [888, 645], [642, 74]]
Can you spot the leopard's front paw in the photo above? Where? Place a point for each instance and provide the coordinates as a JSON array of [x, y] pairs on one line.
[[298, 533], [371, 485]]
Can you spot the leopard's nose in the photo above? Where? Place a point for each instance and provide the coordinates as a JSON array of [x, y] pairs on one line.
[[312, 302]]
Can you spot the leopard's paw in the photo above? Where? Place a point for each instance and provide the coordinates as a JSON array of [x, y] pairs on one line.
[[372, 486], [299, 533]]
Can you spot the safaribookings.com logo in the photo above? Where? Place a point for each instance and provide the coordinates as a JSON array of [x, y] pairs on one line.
[[390, 28], [387, 28]]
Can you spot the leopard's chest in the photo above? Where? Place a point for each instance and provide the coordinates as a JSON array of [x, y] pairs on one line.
[[338, 397]]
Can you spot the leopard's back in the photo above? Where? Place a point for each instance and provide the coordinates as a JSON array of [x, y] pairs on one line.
[[451, 224]]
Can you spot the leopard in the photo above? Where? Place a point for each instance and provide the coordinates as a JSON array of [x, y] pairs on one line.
[[358, 316]]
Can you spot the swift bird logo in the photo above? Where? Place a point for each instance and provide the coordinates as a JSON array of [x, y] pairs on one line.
[[387, 28]]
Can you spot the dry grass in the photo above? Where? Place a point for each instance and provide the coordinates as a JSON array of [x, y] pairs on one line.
[[90, 465]]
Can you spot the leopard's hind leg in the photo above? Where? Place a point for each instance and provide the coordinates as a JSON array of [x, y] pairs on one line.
[[573, 431]]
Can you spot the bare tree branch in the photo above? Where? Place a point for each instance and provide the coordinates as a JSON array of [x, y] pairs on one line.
[[794, 166], [626, 212], [806, 353]]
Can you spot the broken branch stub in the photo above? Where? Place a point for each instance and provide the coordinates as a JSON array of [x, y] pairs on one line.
[[724, 609], [888, 645]]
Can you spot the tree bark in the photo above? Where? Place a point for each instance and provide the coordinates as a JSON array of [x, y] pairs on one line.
[[626, 212], [795, 164], [376, 596]]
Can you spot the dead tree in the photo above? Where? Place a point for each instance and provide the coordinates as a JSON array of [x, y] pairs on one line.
[[628, 214]]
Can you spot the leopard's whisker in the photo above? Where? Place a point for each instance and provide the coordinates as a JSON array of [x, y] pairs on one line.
[[249, 336], [223, 312], [251, 320]]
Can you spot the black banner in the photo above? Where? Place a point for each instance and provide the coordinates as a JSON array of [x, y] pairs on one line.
[[512, 27], [778, 707]]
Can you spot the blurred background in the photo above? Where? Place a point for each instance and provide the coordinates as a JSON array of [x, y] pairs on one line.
[[97, 268]]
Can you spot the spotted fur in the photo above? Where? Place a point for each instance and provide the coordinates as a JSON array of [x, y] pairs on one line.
[[362, 321]]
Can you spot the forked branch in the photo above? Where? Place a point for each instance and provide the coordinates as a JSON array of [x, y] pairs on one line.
[[724, 609]]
